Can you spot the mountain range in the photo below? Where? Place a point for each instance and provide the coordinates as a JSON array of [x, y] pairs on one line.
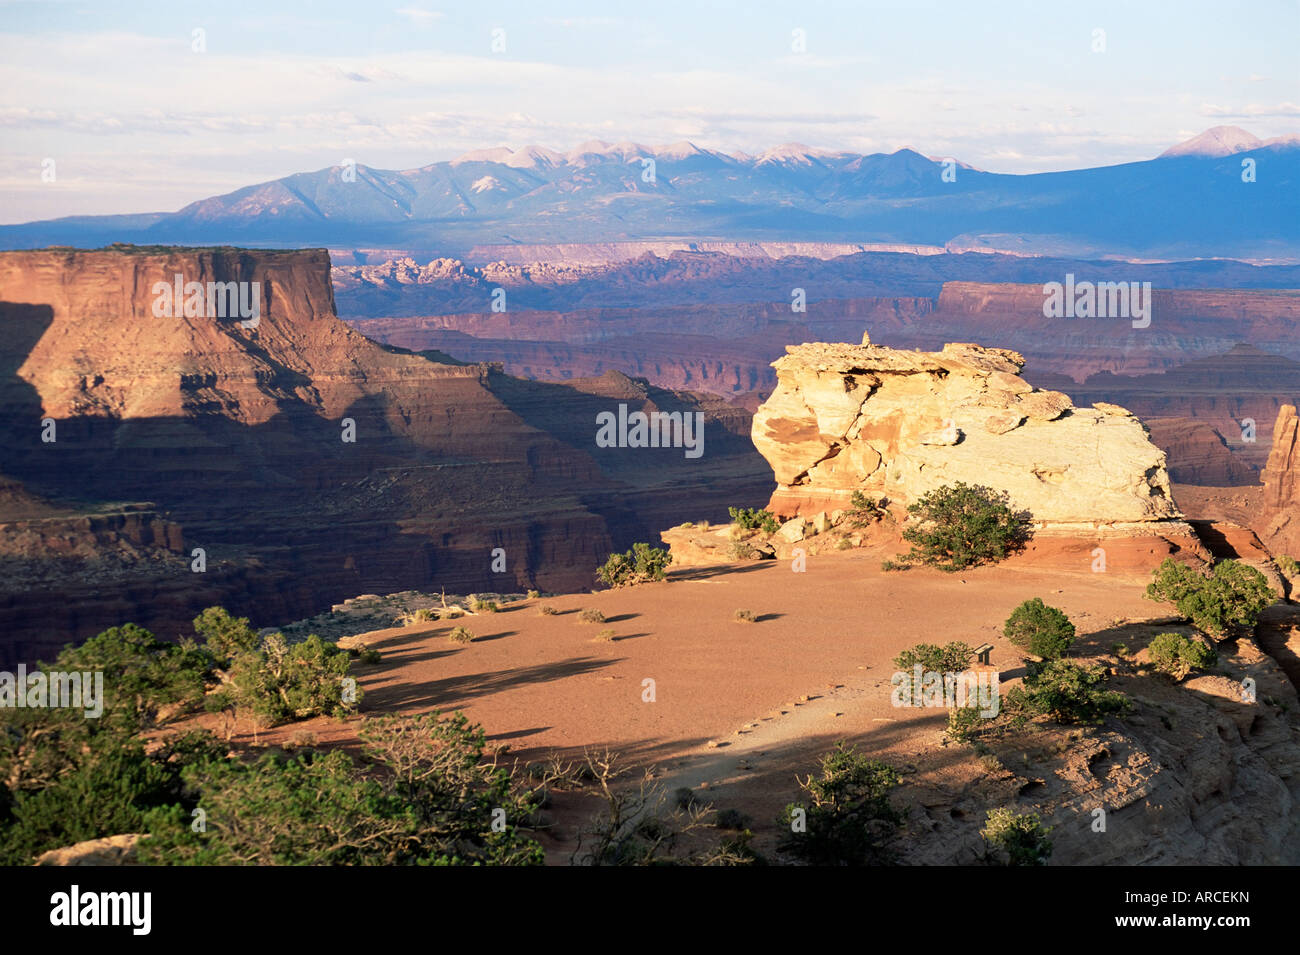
[[1224, 193]]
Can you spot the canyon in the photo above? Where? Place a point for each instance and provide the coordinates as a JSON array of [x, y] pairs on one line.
[[308, 463]]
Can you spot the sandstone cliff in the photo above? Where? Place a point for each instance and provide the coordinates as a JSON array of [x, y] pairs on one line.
[[1280, 523], [900, 423], [239, 432]]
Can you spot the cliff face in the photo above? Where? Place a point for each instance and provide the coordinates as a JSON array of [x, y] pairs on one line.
[[901, 423], [1281, 475], [1279, 525], [310, 463]]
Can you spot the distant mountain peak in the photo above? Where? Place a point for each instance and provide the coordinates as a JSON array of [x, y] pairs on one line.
[[790, 154], [1216, 142]]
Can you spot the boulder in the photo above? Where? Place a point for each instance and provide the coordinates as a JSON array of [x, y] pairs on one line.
[[111, 850], [899, 423], [792, 530]]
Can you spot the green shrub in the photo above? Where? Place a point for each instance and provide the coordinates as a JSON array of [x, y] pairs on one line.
[[369, 655], [1067, 692], [751, 519], [425, 793], [1178, 655], [1230, 597], [959, 526], [461, 635], [864, 510], [280, 682], [224, 636], [642, 563], [1042, 630], [534, 594], [478, 605], [143, 676], [962, 721], [950, 658], [848, 817], [109, 786], [1288, 566], [953, 657], [844, 544], [1014, 839]]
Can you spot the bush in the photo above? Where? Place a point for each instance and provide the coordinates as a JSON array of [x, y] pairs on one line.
[[1178, 655], [1019, 839], [369, 655], [478, 605], [591, 616], [1042, 630], [962, 721], [546, 610], [1067, 692], [534, 594], [606, 636], [732, 819], [959, 526], [108, 787], [865, 510], [280, 682], [1230, 597], [1288, 566], [740, 550], [750, 519], [848, 816], [642, 563], [143, 676], [954, 657], [425, 793], [746, 616], [461, 635], [412, 617], [224, 636]]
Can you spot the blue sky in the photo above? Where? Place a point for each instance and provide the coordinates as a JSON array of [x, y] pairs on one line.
[[137, 120]]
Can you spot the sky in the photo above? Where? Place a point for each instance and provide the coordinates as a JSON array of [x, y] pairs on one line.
[[141, 113]]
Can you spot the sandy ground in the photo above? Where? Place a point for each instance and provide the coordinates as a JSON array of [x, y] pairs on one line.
[[738, 708]]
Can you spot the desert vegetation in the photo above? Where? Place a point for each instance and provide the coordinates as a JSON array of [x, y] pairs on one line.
[[844, 816], [959, 526], [1044, 631], [865, 510], [749, 519], [1067, 692], [65, 778], [641, 564], [1013, 838], [1178, 655], [1227, 600]]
